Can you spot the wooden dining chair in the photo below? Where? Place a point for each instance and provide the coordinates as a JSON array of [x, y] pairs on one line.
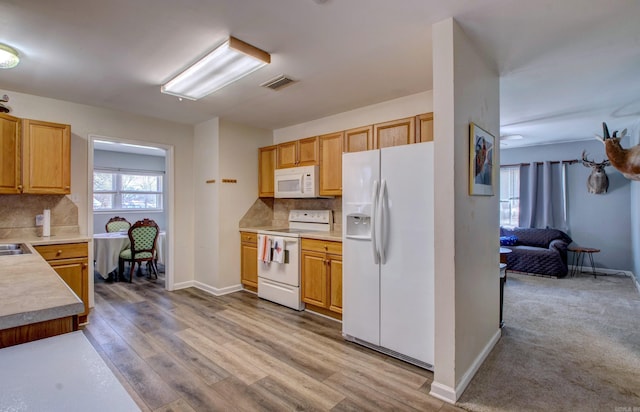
[[143, 236], [117, 224]]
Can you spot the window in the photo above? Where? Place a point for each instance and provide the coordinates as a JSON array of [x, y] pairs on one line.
[[509, 195], [126, 190]]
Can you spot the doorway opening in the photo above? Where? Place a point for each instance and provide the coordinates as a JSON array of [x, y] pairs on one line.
[[132, 180]]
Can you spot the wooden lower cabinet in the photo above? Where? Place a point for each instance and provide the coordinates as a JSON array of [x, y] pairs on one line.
[[71, 263], [249, 260], [39, 330], [321, 276]]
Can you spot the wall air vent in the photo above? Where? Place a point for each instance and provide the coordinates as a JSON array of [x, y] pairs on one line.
[[278, 82]]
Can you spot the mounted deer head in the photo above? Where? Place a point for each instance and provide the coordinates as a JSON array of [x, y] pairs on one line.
[[627, 161], [598, 181]]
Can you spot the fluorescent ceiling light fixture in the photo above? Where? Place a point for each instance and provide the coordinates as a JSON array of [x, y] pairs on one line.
[[8, 57], [230, 61]]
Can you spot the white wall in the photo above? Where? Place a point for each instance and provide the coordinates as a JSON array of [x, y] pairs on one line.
[[119, 160], [239, 149], [206, 231], [88, 120], [223, 150], [466, 89], [390, 110], [602, 221]]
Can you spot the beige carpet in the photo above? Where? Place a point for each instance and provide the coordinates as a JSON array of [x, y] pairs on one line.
[[569, 344]]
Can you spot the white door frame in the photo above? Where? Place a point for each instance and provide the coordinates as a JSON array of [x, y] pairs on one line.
[[169, 204]]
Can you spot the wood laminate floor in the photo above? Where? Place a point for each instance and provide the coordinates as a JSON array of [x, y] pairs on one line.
[[190, 351]]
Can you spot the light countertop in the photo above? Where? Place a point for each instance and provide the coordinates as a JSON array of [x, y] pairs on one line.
[[61, 373], [31, 291]]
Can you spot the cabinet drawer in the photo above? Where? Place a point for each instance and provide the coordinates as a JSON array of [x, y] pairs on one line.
[[322, 246], [249, 237], [63, 251]]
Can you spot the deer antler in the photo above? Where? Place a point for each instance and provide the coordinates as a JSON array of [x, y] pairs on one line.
[[590, 163], [585, 160]]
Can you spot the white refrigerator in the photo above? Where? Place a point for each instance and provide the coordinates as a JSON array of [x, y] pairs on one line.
[[388, 251]]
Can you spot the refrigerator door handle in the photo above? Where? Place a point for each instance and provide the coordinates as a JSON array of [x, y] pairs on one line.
[[374, 211], [382, 221]]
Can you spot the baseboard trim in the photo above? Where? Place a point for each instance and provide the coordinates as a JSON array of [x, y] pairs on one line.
[[207, 288], [451, 395], [183, 285], [586, 270], [443, 392], [217, 291]]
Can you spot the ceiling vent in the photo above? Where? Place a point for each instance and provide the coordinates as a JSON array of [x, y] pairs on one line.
[[278, 83]]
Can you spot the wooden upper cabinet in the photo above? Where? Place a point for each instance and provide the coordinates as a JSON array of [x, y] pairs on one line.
[[266, 167], [309, 151], [287, 155], [303, 152], [359, 139], [394, 133], [46, 157], [331, 164], [424, 127], [10, 154]]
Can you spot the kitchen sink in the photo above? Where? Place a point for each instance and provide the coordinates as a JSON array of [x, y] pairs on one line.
[[8, 249]]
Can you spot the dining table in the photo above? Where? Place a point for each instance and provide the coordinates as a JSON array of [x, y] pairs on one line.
[[107, 248]]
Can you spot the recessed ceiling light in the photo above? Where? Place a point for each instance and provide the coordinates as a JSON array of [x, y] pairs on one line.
[[8, 57]]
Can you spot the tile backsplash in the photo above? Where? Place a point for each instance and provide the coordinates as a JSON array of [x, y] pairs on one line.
[[18, 214], [275, 212]]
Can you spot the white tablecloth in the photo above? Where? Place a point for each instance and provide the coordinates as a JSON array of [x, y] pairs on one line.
[[107, 248]]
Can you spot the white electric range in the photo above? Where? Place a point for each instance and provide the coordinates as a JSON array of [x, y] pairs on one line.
[[279, 269]]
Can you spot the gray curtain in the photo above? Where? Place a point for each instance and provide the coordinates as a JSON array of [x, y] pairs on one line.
[[543, 195]]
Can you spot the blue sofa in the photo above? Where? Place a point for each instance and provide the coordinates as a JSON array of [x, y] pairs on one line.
[[541, 251]]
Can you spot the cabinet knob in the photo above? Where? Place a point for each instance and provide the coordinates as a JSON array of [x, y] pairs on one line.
[[326, 247], [59, 252], [67, 187], [84, 265], [20, 188]]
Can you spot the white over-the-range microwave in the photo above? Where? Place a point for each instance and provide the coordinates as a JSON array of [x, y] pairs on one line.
[[297, 182]]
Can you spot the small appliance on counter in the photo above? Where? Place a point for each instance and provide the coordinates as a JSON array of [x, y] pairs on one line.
[[279, 256]]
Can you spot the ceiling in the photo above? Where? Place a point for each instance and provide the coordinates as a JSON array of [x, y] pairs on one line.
[[565, 66]]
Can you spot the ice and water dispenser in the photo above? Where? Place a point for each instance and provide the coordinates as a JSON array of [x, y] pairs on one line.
[[358, 218]]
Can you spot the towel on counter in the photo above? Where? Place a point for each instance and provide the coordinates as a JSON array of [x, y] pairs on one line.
[[264, 248], [278, 249]]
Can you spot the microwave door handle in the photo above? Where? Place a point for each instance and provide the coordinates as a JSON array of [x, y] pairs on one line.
[[302, 183]]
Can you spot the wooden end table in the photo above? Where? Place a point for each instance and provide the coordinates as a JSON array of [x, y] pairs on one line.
[[579, 253]]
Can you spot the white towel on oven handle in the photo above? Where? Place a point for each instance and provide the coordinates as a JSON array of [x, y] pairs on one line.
[[264, 248], [278, 249]]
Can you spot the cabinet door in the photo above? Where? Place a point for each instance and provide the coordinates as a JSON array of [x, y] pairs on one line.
[[266, 167], [287, 155], [309, 151], [249, 265], [314, 282], [74, 273], [335, 266], [394, 133], [358, 140], [425, 127], [331, 164], [10, 154], [46, 163]]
